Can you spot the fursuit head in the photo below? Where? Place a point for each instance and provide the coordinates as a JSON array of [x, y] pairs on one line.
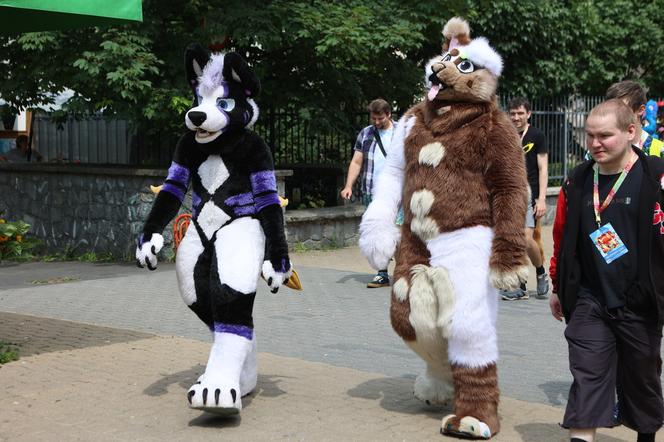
[[456, 167], [224, 88], [236, 233]]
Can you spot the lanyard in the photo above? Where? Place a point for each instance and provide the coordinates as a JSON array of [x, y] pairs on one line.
[[613, 190]]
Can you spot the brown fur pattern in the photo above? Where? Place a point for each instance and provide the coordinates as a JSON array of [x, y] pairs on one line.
[[411, 252], [481, 179], [476, 394]]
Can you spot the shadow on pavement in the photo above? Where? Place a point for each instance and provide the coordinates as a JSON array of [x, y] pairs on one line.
[[541, 431], [556, 392], [267, 385], [396, 394]]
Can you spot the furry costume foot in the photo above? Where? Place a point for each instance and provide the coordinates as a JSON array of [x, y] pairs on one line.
[[466, 427], [230, 375], [475, 403], [433, 391]]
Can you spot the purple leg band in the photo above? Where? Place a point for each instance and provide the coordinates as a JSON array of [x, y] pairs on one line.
[[263, 181], [235, 329], [174, 190], [178, 173], [242, 199], [266, 200]]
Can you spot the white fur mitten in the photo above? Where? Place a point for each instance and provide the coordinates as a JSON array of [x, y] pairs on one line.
[[379, 235], [147, 249]]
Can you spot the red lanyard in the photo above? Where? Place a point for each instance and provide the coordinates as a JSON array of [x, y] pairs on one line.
[[599, 209]]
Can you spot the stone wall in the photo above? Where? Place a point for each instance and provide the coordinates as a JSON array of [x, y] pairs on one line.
[[78, 209], [323, 228]]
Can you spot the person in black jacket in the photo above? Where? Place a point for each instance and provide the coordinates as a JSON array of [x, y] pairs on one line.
[[608, 279]]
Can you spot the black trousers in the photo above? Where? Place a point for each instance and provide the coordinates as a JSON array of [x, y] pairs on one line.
[[609, 349]]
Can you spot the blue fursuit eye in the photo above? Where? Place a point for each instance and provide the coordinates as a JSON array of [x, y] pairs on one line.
[[226, 104]]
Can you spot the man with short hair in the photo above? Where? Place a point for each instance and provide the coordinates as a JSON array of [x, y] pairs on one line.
[[537, 158], [608, 279], [373, 143], [634, 96]]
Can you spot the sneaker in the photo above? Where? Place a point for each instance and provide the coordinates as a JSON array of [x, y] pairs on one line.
[[514, 295], [380, 280], [542, 286]]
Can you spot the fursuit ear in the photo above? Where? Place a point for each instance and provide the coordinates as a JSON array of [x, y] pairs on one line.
[[195, 59], [237, 69], [456, 33]]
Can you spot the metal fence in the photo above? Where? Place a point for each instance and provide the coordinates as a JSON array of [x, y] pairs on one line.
[[296, 142]]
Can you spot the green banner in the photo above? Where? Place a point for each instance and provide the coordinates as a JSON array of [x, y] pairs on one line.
[[18, 16]]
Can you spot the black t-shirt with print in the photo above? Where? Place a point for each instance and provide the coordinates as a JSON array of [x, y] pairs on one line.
[[533, 143], [610, 282]]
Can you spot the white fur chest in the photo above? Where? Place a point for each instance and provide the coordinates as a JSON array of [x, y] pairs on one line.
[[213, 173]]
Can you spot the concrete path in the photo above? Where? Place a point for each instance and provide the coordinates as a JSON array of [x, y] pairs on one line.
[[108, 352]]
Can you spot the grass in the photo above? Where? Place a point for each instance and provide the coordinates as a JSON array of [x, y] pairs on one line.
[[8, 352]]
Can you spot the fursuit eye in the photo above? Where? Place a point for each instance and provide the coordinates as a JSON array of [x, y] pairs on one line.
[[466, 67], [447, 57], [226, 104]]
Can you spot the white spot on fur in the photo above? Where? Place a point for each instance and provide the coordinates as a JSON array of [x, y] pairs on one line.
[[425, 228], [661, 182], [239, 248], [442, 287], [213, 173], [235, 76], [197, 68], [421, 202], [510, 280], [431, 154], [211, 219], [400, 289], [187, 255], [423, 305], [254, 117]]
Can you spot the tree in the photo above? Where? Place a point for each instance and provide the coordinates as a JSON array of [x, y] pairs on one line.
[[328, 59]]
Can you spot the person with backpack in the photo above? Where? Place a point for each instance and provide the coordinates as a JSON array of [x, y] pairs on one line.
[[371, 148]]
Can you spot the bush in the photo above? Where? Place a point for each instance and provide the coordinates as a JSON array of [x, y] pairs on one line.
[[14, 244]]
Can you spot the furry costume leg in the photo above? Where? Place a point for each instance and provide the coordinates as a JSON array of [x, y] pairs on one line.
[[231, 371], [416, 295], [473, 348]]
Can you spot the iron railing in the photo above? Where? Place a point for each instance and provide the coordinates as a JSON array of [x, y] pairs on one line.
[[296, 142]]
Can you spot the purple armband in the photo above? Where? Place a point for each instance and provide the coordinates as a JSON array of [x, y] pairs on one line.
[[235, 329], [263, 181]]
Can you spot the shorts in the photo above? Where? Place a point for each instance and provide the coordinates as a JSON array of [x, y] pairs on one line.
[[608, 350], [530, 217]]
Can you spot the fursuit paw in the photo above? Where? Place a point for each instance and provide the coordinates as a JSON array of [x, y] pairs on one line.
[[509, 279], [219, 390], [215, 396], [433, 391], [379, 236], [275, 277], [465, 427], [146, 251]]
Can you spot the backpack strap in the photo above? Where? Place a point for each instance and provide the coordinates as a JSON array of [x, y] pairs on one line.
[[378, 141]]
